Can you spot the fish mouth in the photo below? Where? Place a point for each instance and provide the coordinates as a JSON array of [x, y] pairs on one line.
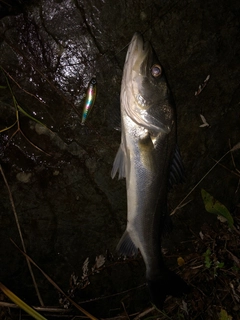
[[138, 43], [137, 52]]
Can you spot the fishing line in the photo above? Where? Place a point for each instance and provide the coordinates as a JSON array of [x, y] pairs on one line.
[[180, 205], [152, 20]]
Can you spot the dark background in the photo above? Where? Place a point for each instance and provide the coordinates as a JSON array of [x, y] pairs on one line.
[[68, 206]]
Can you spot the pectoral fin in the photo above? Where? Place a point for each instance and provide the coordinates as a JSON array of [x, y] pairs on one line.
[[142, 118], [119, 164]]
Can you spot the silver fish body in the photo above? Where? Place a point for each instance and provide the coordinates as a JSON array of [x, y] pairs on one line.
[[147, 157]]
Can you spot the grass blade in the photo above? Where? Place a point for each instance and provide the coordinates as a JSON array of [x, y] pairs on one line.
[[21, 303]]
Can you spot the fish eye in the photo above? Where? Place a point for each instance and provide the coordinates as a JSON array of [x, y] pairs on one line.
[[156, 70]]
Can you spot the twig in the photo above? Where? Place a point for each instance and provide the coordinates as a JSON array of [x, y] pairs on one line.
[[235, 259], [233, 161], [229, 170], [34, 145], [21, 237], [125, 311], [27, 92], [18, 108], [114, 294], [42, 309], [55, 285], [144, 313]]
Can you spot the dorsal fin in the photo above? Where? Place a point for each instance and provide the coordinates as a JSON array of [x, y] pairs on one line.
[[177, 173]]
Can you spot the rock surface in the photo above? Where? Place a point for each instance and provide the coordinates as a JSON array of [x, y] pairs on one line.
[[68, 206]]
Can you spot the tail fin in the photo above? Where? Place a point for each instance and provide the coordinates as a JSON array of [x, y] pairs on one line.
[[169, 284]]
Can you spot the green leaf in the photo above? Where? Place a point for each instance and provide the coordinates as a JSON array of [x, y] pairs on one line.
[[224, 316], [219, 264], [214, 206], [207, 256]]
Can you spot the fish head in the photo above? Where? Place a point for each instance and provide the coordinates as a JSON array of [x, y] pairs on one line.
[[145, 94]]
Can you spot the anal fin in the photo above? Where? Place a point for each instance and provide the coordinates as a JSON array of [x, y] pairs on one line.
[[126, 247]]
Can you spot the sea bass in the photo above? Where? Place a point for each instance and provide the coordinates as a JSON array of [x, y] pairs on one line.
[[150, 161]]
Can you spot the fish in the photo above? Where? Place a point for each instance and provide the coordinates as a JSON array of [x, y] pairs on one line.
[[89, 99], [149, 159]]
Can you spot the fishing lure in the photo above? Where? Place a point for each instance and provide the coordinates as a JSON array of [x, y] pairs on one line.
[[90, 99]]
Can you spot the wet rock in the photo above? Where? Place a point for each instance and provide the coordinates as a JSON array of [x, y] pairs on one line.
[[70, 208]]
